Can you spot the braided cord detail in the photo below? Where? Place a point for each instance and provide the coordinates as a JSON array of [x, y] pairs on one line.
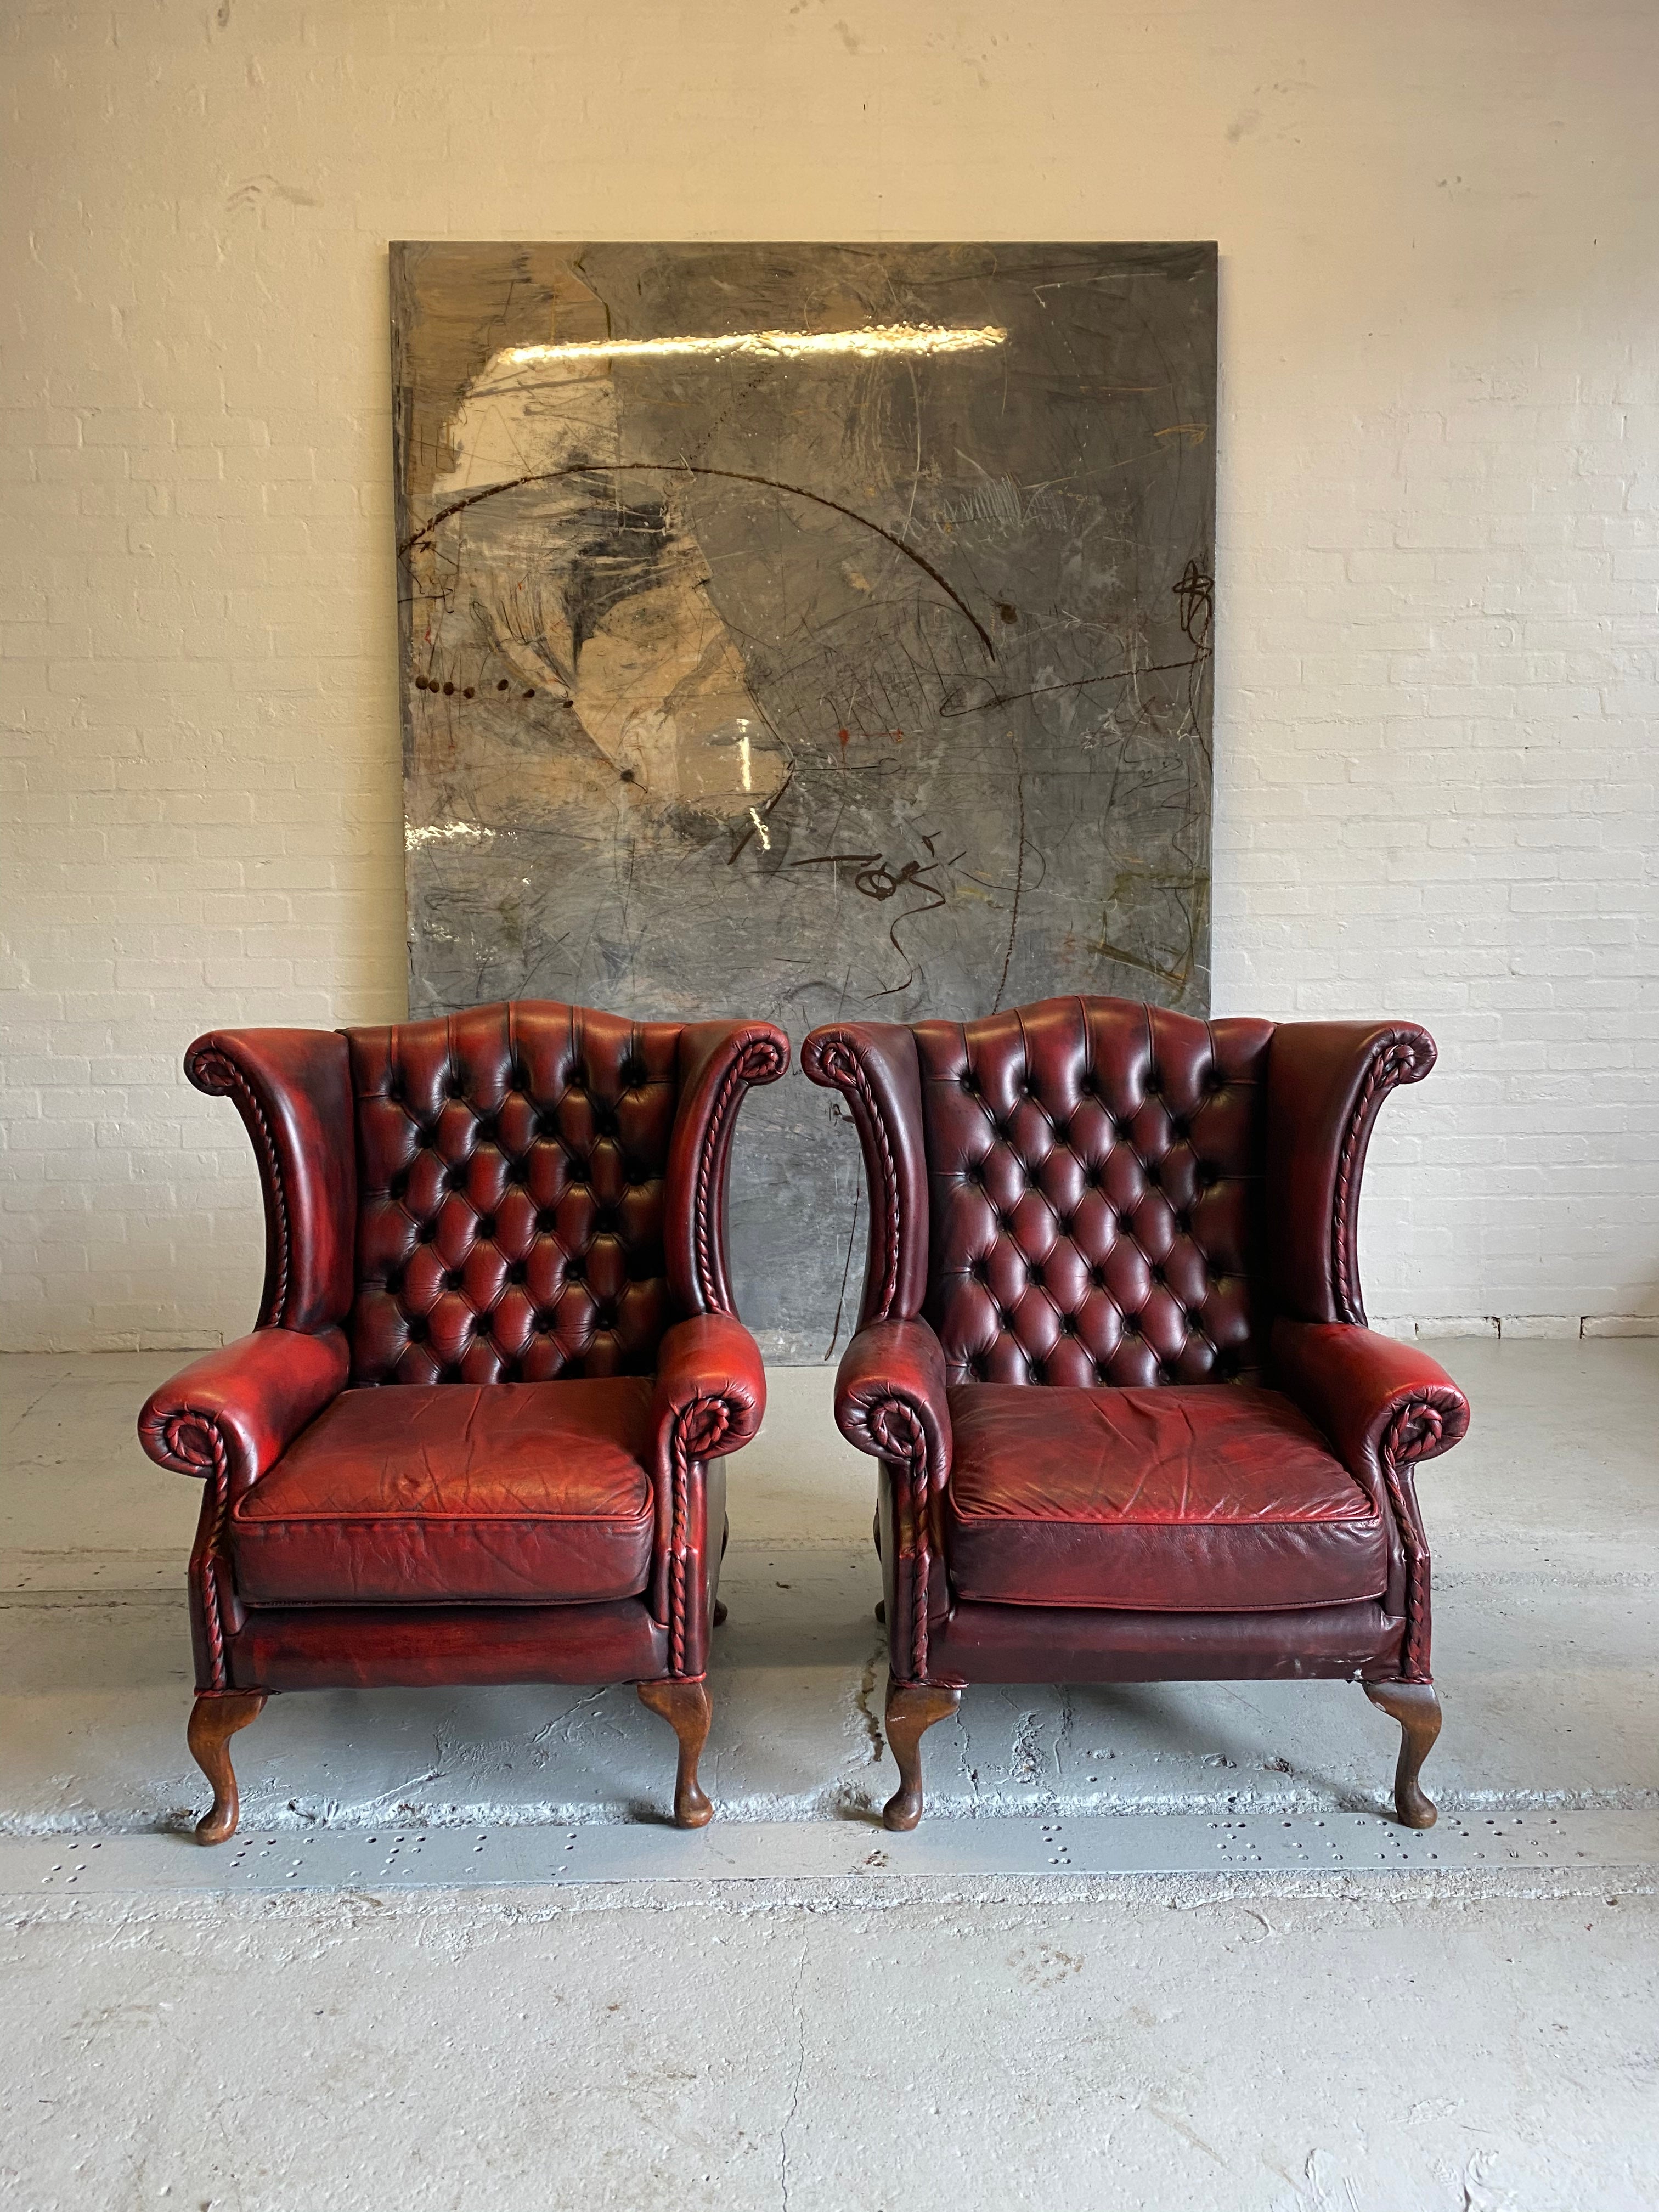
[[896, 1428], [698, 1428], [1414, 1433], [218, 1073], [846, 1071], [759, 1061], [1393, 1065], [193, 1443]]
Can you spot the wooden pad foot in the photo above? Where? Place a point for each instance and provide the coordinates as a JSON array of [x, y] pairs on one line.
[[1416, 1706], [685, 1707], [214, 1719], [912, 1708]]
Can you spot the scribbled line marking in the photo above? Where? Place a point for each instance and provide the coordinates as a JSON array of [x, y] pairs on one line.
[[953, 704], [1177, 977], [847, 1268], [1019, 881], [691, 469], [1195, 593], [757, 822], [876, 880], [788, 345]]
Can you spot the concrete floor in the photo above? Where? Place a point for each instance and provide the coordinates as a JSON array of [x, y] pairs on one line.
[[1244, 2053], [1475, 2038]]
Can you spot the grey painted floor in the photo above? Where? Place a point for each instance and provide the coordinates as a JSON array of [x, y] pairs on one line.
[[1544, 1526], [797, 2016]]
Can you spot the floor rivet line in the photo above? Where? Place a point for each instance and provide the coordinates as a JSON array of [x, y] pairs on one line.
[[476, 1858]]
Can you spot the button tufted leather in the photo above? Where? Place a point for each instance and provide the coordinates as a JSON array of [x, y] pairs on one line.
[[1094, 1173], [519, 1214], [1119, 1202], [511, 1176]]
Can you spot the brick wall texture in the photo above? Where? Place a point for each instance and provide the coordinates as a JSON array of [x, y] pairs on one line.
[[1438, 564]]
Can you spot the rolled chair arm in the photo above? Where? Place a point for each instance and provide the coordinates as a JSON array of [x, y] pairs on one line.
[[891, 1402], [710, 1384], [709, 1399], [720, 1063], [232, 1414], [1372, 1395], [890, 1397], [1384, 1405]]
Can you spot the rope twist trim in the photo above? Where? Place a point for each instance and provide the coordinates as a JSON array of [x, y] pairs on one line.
[[1393, 1064], [1415, 1432], [194, 1444], [896, 1430], [216, 1073], [698, 1428], [760, 1060], [839, 1061]]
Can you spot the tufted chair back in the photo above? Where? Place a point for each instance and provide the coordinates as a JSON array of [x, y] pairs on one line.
[[1095, 1172], [511, 1170]]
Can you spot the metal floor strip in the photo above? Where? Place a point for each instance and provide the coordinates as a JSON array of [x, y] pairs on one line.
[[259, 1861]]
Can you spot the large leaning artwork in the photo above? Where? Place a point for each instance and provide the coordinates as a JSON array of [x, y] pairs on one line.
[[805, 631]]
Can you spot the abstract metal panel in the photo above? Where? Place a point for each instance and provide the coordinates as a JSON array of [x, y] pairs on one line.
[[806, 631]]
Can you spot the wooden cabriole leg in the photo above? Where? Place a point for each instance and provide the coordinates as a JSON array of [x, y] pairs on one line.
[[685, 1707], [214, 1719], [1416, 1706], [912, 1708]]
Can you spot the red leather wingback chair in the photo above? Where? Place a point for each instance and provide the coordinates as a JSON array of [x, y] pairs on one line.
[[1154, 1218], [473, 1435]]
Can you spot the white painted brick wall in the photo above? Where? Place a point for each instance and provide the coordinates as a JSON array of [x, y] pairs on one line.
[[1439, 556]]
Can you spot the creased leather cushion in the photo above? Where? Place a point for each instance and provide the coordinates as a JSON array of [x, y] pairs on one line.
[[531, 1493], [1162, 1500]]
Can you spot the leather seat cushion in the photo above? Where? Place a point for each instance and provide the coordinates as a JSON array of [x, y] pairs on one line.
[[1217, 1498], [531, 1493]]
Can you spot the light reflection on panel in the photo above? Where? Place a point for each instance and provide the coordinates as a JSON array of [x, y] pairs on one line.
[[881, 338]]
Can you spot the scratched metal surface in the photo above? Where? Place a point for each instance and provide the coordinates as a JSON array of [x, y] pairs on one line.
[[870, 680]]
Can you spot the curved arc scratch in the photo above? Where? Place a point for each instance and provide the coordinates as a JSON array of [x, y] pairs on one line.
[[694, 469]]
